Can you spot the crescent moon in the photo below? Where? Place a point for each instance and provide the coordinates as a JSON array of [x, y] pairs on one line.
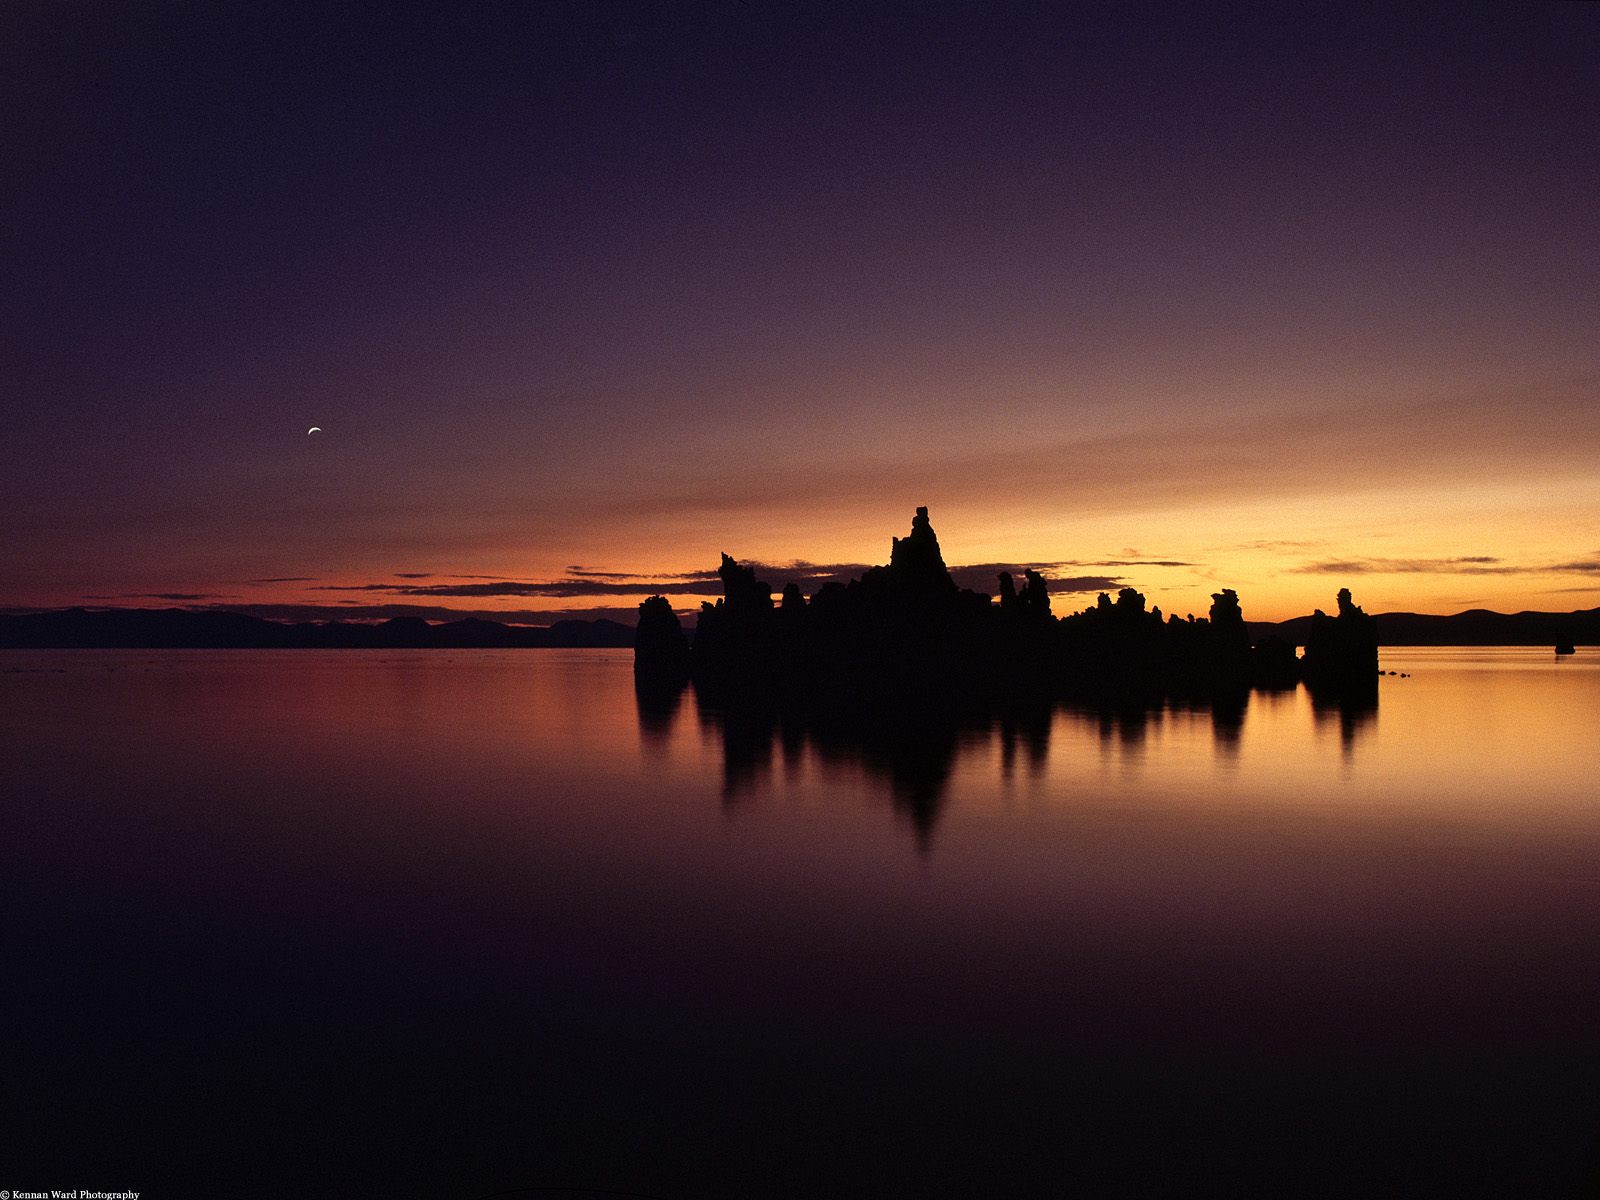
[[314, 429]]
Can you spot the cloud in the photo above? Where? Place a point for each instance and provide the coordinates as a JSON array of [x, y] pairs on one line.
[[1274, 545], [175, 597], [1046, 568], [798, 569], [1134, 562], [1085, 583], [347, 610], [595, 573], [560, 588], [1476, 564], [984, 577], [1480, 564], [285, 579], [1360, 448], [413, 574], [809, 577]]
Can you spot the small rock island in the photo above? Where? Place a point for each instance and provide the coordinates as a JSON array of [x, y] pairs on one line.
[[909, 630]]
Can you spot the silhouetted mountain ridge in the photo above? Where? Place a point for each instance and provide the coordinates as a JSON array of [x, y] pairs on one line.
[[1474, 627], [176, 628]]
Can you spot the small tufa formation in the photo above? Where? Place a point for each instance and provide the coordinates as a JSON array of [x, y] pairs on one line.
[[736, 635], [660, 649], [1227, 619], [1342, 650], [1230, 639], [745, 593], [1030, 604]]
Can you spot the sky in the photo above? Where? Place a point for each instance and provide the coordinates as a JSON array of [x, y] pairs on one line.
[[582, 295]]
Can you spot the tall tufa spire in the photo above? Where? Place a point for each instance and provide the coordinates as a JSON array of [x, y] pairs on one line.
[[915, 559]]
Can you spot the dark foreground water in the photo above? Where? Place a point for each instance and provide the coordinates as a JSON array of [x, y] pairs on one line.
[[449, 924]]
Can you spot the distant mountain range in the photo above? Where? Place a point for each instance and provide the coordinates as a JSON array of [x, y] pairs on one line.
[[175, 628], [1475, 627]]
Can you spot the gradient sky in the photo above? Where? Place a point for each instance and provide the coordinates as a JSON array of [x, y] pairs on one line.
[[582, 295]]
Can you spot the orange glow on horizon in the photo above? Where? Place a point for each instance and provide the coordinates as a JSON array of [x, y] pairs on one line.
[[1437, 506]]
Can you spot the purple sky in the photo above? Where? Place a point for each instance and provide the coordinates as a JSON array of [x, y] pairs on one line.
[[1283, 299]]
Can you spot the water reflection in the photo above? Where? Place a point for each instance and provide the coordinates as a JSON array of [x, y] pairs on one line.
[[913, 750], [1227, 722], [1027, 732], [1352, 712], [1178, 939], [658, 714]]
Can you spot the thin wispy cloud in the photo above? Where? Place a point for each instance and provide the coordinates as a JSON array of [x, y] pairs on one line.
[[1274, 545], [984, 577], [174, 597], [1476, 564], [554, 587], [1131, 562], [809, 577], [1189, 467], [1070, 584], [596, 573], [357, 610]]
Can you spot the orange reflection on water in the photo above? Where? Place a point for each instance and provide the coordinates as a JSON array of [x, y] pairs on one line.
[[1230, 914]]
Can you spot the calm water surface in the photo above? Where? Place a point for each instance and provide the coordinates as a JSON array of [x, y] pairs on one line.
[[455, 923]]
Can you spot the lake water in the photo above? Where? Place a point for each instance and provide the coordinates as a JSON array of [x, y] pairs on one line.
[[453, 923]]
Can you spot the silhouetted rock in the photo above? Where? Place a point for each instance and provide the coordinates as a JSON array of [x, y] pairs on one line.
[[660, 649], [1227, 620], [1008, 594], [904, 636], [1230, 650], [1342, 650], [736, 636], [915, 561], [1034, 599], [906, 629], [1274, 664], [743, 591], [889, 669]]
